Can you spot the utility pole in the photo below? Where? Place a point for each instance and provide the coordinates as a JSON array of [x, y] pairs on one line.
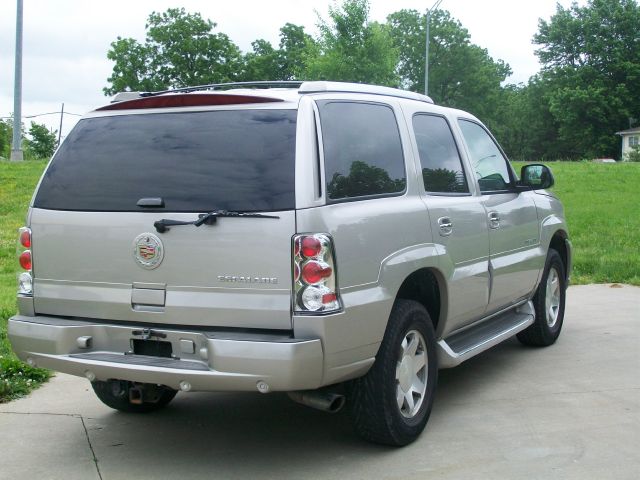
[[426, 56], [16, 146], [60, 129]]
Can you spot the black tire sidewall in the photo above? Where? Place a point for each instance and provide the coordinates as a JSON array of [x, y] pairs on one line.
[[412, 316], [550, 334]]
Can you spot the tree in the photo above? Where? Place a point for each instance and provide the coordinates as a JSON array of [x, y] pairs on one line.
[[42, 142], [263, 63], [363, 179], [180, 50], [6, 131], [293, 53], [288, 62], [591, 73], [461, 74], [350, 48]]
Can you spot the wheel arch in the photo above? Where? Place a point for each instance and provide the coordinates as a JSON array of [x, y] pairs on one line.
[[427, 287], [560, 243]]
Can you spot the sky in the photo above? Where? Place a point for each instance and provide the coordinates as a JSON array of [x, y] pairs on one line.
[[66, 41]]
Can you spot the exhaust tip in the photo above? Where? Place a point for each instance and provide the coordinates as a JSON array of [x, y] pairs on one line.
[[321, 400], [337, 404]]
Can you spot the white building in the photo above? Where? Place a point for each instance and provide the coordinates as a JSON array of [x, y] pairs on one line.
[[630, 138]]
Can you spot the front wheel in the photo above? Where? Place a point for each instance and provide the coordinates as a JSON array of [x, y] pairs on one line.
[[549, 302], [392, 402]]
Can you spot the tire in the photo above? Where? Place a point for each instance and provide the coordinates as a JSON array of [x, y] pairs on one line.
[[549, 303], [115, 394], [379, 402]]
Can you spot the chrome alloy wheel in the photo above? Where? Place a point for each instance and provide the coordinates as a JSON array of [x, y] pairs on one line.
[[552, 297], [411, 374]]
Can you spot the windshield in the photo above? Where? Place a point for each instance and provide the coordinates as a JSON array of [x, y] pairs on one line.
[[239, 160]]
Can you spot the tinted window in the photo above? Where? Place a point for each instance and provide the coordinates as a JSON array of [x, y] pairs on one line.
[[487, 160], [442, 170], [234, 160], [362, 150]]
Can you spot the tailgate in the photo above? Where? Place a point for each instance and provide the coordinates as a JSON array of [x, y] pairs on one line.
[[235, 273]]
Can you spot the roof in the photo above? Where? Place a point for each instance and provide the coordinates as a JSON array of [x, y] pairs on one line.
[[277, 91], [629, 131]]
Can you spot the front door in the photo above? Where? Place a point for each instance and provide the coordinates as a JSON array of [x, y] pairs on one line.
[[514, 238]]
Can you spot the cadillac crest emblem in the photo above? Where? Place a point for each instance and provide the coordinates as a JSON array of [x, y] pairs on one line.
[[148, 251]]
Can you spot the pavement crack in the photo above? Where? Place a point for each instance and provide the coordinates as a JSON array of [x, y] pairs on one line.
[[93, 453], [73, 415]]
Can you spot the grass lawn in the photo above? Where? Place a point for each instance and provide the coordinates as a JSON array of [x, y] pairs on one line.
[[602, 205], [601, 202], [17, 181]]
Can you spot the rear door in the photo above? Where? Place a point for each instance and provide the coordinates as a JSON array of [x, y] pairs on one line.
[[96, 253], [458, 220]]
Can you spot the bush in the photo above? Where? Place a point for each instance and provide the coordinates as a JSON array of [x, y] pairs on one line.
[[633, 155]]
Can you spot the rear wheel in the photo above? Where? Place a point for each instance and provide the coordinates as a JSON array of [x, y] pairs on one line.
[[548, 302], [133, 397], [392, 402]]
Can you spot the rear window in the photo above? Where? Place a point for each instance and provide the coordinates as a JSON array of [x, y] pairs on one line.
[[234, 160]]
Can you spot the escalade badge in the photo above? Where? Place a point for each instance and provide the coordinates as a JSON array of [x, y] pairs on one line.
[[148, 251]]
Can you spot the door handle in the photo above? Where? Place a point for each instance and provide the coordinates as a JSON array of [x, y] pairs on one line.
[[494, 220], [446, 226]]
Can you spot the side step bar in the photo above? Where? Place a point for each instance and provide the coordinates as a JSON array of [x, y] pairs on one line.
[[463, 345]]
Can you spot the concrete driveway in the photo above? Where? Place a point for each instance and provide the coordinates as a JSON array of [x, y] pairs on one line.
[[571, 411]]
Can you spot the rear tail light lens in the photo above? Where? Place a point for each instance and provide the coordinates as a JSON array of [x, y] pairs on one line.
[[314, 274], [25, 260], [25, 237], [25, 279]]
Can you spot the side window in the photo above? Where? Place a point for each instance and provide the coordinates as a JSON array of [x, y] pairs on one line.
[[362, 150], [487, 160], [442, 170]]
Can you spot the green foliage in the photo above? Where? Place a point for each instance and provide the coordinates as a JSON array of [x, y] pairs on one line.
[[363, 179], [461, 74], [293, 54], [6, 132], [42, 143], [352, 49], [180, 50], [633, 155], [442, 180], [591, 74], [289, 62], [17, 181], [18, 379]]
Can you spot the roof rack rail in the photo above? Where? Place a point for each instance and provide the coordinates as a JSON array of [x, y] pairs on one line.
[[222, 86], [322, 87]]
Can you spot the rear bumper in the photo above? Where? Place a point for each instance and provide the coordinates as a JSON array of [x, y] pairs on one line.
[[205, 361]]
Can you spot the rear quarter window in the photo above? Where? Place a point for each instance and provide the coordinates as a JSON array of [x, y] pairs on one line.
[[362, 150]]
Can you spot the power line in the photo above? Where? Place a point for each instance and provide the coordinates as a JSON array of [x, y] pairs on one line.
[[48, 113]]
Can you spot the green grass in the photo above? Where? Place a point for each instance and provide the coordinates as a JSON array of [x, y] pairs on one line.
[[17, 181], [602, 203]]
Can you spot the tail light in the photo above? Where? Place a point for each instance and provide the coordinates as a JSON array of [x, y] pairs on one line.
[[314, 274], [25, 279]]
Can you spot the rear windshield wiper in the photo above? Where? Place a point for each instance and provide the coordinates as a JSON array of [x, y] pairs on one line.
[[206, 219]]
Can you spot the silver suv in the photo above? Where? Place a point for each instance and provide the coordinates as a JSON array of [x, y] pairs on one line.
[[330, 240]]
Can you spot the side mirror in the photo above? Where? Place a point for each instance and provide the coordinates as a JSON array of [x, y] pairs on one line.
[[535, 177]]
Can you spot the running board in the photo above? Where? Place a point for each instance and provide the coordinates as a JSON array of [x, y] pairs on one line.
[[461, 346]]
